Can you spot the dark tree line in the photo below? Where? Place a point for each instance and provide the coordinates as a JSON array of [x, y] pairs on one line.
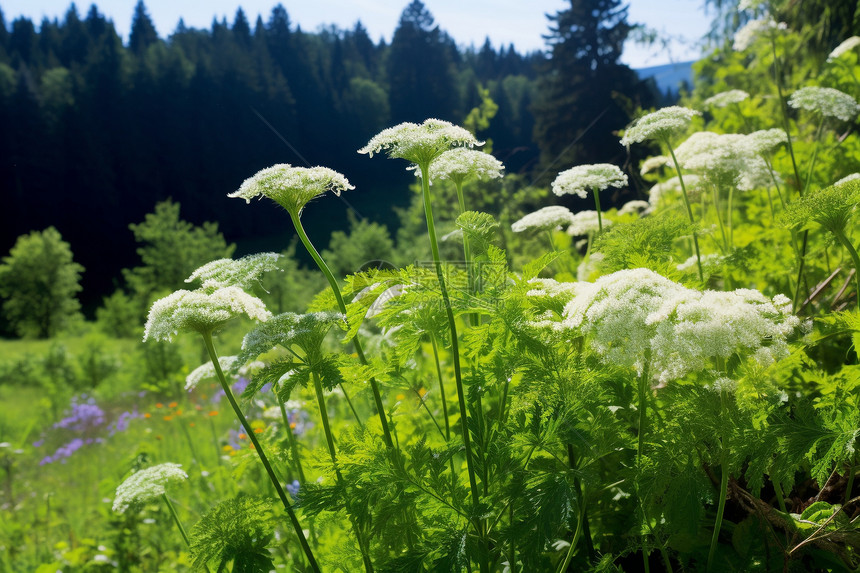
[[95, 132]]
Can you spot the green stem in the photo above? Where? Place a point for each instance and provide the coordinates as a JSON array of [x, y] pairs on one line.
[[786, 124], [643, 405], [586, 530], [840, 236], [597, 206], [850, 485], [716, 195], [814, 154], [729, 217], [213, 356], [176, 519], [329, 438], [441, 386], [467, 252], [455, 353], [374, 386], [291, 438], [455, 346], [724, 485], [689, 209]]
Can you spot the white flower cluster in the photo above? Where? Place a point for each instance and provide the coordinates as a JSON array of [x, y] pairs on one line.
[[201, 312], [636, 316], [723, 158], [146, 485], [461, 163], [206, 371], [848, 178], [597, 177], [711, 260], [228, 272], [659, 124], [748, 34], [422, 143], [635, 207], [727, 98], [551, 217], [843, 48], [693, 184], [586, 223], [827, 101], [764, 141], [292, 187], [653, 163]]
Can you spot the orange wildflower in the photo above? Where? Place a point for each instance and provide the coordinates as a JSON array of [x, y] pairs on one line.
[[159, 405], [213, 413], [172, 405], [147, 415]]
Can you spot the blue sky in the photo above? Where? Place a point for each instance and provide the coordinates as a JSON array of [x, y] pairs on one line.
[[521, 22]]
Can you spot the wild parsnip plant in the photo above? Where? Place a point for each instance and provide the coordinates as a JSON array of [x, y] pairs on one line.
[[689, 404]]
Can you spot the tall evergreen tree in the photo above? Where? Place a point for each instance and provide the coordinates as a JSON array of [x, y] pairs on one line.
[[420, 68], [580, 103], [242, 29], [143, 32]]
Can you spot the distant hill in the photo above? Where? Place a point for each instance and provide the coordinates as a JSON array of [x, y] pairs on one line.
[[669, 77]]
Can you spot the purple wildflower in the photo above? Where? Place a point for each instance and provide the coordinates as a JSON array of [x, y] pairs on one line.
[[293, 488]]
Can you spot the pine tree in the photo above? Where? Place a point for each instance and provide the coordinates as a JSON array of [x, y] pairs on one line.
[[579, 104], [143, 32], [420, 68]]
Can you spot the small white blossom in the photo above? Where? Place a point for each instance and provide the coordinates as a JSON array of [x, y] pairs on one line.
[[206, 371], [228, 272], [634, 207], [673, 185], [827, 101], [422, 143], [745, 37], [637, 318], [659, 124], [200, 312], [749, 4], [582, 178], [848, 178], [843, 48], [463, 163], [725, 99], [720, 158], [146, 485], [551, 217], [653, 163], [709, 260], [586, 223], [292, 187], [764, 141]]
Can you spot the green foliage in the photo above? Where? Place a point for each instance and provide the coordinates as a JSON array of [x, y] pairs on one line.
[[368, 244], [170, 249], [237, 530], [39, 281]]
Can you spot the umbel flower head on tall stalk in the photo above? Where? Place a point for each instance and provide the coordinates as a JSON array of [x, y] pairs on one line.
[[292, 187], [146, 485], [422, 143], [462, 163]]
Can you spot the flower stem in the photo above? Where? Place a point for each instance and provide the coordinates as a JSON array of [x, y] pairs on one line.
[[291, 438], [374, 386], [689, 209], [597, 206], [840, 236], [784, 109], [455, 346], [467, 252], [176, 519], [213, 356], [724, 484]]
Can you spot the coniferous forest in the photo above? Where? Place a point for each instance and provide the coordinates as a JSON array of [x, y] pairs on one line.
[[304, 301], [97, 130]]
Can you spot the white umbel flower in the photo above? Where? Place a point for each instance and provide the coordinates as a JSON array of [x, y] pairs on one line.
[[582, 178], [748, 34], [463, 163], [727, 98], [843, 48], [764, 141], [228, 272], [635, 207], [550, 218], [659, 124], [634, 316], [826, 101], [653, 163], [292, 187], [848, 178], [146, 485], [201, 312], [422, 143], [673, 185], [206, 371], [586, 223]]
